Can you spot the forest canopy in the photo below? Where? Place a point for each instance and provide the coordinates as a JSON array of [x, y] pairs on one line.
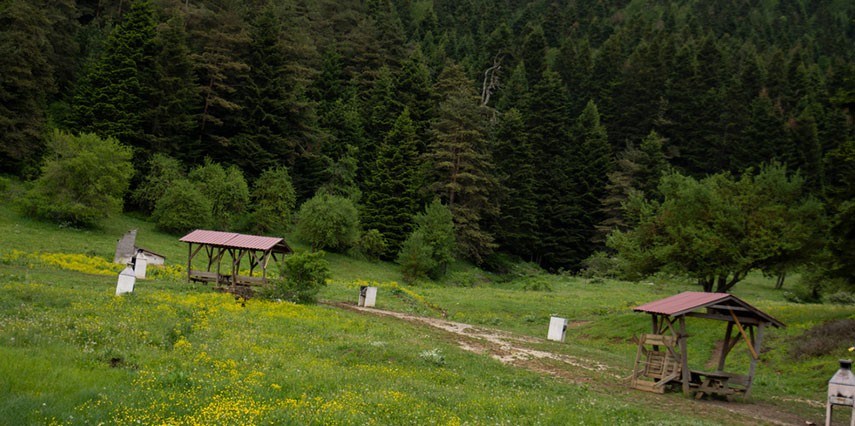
[[532, 121]]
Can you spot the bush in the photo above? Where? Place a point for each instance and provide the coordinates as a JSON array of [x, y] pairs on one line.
[[302, 276], [841, 298], [182, 208], [371, 244], [431, 245], [83, 180], [162, 172], [328, 222], [416, 257], [273, 201], [824, 339], [599, 265], [226, 189]]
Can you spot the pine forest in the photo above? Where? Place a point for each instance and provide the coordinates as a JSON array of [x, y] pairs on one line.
[[623, 137]]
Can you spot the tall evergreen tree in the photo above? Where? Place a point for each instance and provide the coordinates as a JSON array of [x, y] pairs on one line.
[[548, 132], [516, 224], [112, 99], [460, 160], [391, 193], [174, 99], [594, 155], [218, 39], [24, 86]]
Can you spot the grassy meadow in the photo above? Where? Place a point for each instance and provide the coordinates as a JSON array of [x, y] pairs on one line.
[[178, 353]]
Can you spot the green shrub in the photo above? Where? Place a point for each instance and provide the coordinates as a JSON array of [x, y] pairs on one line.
[[328, 222], [416, 257], [273, 201], [226, 189], [824, 339], [302, 276], [371, 244], [182, 208], [161, 172], [599, 265], [83, 180], [841, 298], [431, 245]]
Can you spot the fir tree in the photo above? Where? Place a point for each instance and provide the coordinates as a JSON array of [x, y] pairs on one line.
[[461, 164], [25, 83], [112, 100], [391, 193], [174, 99], [512, 154]]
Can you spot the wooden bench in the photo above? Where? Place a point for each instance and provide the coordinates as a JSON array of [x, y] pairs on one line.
[[717, 383]]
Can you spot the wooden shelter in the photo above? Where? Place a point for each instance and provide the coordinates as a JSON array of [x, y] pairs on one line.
[[257, 250], [662, 360]]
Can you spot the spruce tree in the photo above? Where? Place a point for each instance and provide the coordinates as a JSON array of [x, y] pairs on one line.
[[516, 224], [460, 162], [112, 99], [391, 190], [24, 86], [548, 132], [174, 99]]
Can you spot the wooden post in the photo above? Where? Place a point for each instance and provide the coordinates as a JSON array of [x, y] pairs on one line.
[[684, 355], [189, 259], [725, 347], [758, 340]]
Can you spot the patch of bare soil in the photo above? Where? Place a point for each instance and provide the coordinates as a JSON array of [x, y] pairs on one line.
[[515, 350]]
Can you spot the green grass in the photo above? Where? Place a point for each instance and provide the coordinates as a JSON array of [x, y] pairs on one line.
[[179, 353]]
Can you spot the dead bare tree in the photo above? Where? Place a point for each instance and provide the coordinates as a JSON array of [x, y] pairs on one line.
[[491, 80]]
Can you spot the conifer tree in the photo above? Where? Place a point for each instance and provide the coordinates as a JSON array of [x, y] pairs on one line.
[[391, 190], [24, 86], [594, 156], [413, 86], [174, 99], [516, 224], [219, 37], [534, 54], [112, 100], [461, 164]]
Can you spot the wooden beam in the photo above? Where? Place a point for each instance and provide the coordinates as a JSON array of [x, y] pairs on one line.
[[753, 365], [725, 346], [719, 317], [745, 336], [730, 308]]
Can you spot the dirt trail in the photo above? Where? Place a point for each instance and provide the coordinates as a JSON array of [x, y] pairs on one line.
[[516, 350]]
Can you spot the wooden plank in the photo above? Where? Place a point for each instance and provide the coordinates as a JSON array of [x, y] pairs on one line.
[[745, 336], [648, 386], [744, 320]]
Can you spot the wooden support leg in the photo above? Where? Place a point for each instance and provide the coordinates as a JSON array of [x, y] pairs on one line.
[[828, 413], [684, 355]]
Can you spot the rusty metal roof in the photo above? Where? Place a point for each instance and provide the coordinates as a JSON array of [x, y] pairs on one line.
[[682, 303], [231, 239], [689, 301]]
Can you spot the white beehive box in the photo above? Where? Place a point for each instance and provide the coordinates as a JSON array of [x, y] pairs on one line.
[[126, 281], [367, 296], [140, 265], [557, 328]]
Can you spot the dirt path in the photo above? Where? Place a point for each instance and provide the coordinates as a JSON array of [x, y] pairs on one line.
[[516, 350]]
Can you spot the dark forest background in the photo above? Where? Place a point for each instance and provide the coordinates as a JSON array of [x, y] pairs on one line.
[[531, 120]]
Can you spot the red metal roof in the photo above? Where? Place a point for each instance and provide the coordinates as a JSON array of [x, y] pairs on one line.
[[682, 303], [231, 239], [202, 236], [688, 301]]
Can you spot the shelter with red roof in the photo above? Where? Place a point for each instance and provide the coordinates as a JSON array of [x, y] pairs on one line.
[[256, 250], [662, 359]]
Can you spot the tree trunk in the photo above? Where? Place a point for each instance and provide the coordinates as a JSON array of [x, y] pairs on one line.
[[779, 284]]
